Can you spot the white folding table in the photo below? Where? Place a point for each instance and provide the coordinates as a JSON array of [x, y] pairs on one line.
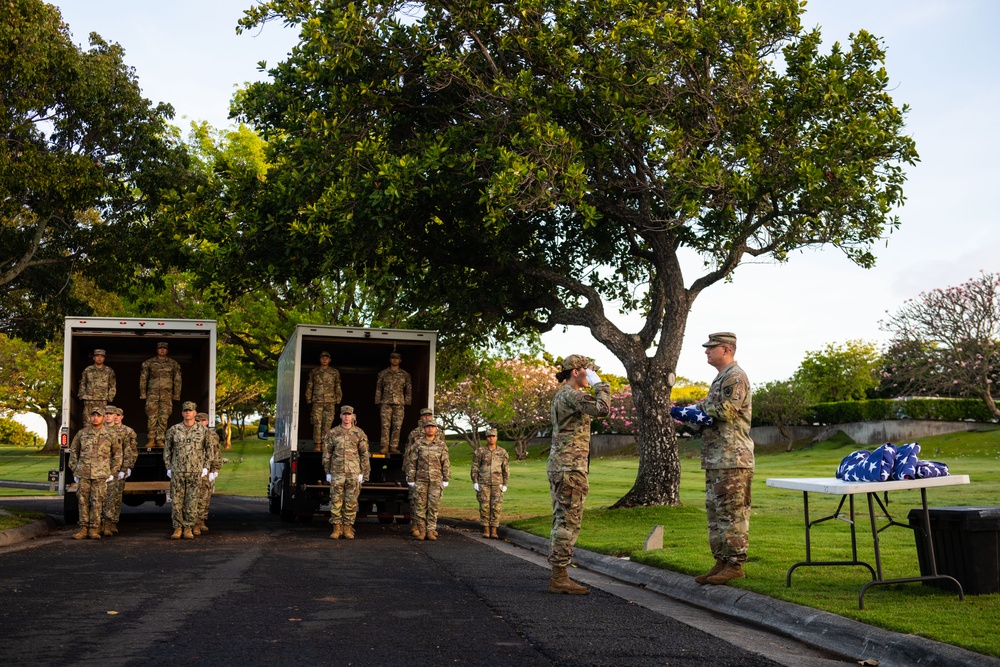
[[847, 491]]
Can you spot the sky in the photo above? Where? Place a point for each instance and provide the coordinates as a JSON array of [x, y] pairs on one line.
[[941, 60]]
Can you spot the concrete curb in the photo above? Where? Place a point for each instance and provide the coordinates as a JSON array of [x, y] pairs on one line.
[[852, 639], [27, 532]]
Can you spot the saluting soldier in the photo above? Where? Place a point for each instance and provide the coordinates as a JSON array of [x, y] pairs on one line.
[[427, 474], [393, 391], [97, 384], [208, 482], [185, 454], [490, 472], [323, 393], [130, 452], [93, 455], [347, 465], [159, 386]]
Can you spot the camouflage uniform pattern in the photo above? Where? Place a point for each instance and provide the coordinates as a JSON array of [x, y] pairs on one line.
[[130, 452], [393, 391], [345, 456], [490, 470], [728, 460], [97, 388], [93, 455], [569, 463], [214, 464], [323, 392], [159, 386], [185, 453], [428, 468]]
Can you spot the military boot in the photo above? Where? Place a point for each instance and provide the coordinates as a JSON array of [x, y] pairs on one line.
[[106, 531], [195, 530], [202, 527], [93, 533], [561, 583], [486, 530], [493, 533], [114, 527], [80, 534], [418, 530], [176, 534], [187, 534], [728, 571], [336, 532], [349, 532], [717, 568], [432, 535]]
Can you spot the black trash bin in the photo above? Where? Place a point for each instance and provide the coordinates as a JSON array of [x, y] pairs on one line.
[[966, 546]]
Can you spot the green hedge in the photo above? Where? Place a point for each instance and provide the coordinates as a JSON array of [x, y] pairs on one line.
[[936, 409]]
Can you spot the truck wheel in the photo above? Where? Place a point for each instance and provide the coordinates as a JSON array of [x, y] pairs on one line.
[[287, 509], [71, 508], [273, 502]]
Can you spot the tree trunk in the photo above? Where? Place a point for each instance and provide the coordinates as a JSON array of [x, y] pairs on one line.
[[52, 435], [521, 448], [227, 431], [784, 430]]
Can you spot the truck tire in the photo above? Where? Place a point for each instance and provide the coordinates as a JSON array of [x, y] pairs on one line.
[[274, 500], [287, 507], [71, 508]]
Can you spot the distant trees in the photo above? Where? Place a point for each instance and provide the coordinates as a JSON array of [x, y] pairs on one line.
[[782, 403], [846, 372], [31, 381]]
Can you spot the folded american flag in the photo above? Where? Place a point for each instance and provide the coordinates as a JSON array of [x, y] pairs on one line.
[[691, 415], [888, 462]]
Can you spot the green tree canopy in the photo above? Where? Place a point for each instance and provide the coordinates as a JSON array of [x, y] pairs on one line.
[[847, 372], [504, 166]]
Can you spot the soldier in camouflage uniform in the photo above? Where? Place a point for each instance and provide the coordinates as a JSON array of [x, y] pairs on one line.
[[130, 452], [186, 452], [393, 391], [490, 471], [97, 384], [427, 473], [727, 457], [426, 415], [323, 393], [159, 386], [569, 461], [207, 482], [347, 465], [93, 455]]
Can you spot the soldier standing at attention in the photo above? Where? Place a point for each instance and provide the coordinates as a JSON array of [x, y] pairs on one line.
[[427, 474], [393, 391], [323, 393], [347, 465], [159, 386], [490, 471], [426, 415], [186, 454], [130, 452], [727, 457], [97, 384], [569, 462], [93, 455], [208, 482]]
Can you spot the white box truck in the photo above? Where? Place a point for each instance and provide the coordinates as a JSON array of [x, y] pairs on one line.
[[297, 488], [129, 342]]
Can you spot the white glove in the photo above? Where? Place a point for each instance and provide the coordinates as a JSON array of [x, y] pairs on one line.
[[76, 480], [128, 473], [111, 478], [361, 478], [170, 474], [204, 472], [444, 485], [476, 486], [212, 476], [503, 489], [121, 474], [411, 483], [592, 377], [329, 478]]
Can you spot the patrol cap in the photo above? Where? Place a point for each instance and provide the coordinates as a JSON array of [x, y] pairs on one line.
[[395, 355], [96, 411], [110, 410], [118, 411], [575, 361], [432, 423], [426, 412], [346, 410], [491, 431], [162, 344], [326, 354], [721, 338], [188, 405], [201, 416], [100, 352]]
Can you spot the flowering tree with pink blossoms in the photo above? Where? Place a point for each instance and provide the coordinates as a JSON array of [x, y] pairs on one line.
[[947, 342]]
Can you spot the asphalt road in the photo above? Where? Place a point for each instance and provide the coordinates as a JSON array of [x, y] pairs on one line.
[[257, 591]]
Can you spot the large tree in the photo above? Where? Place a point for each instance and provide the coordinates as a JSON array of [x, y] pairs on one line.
[[31, 381], [82, 155], [841, 372], [521, 165]]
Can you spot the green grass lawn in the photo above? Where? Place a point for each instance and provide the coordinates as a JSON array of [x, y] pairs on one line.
[[776, 533]]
